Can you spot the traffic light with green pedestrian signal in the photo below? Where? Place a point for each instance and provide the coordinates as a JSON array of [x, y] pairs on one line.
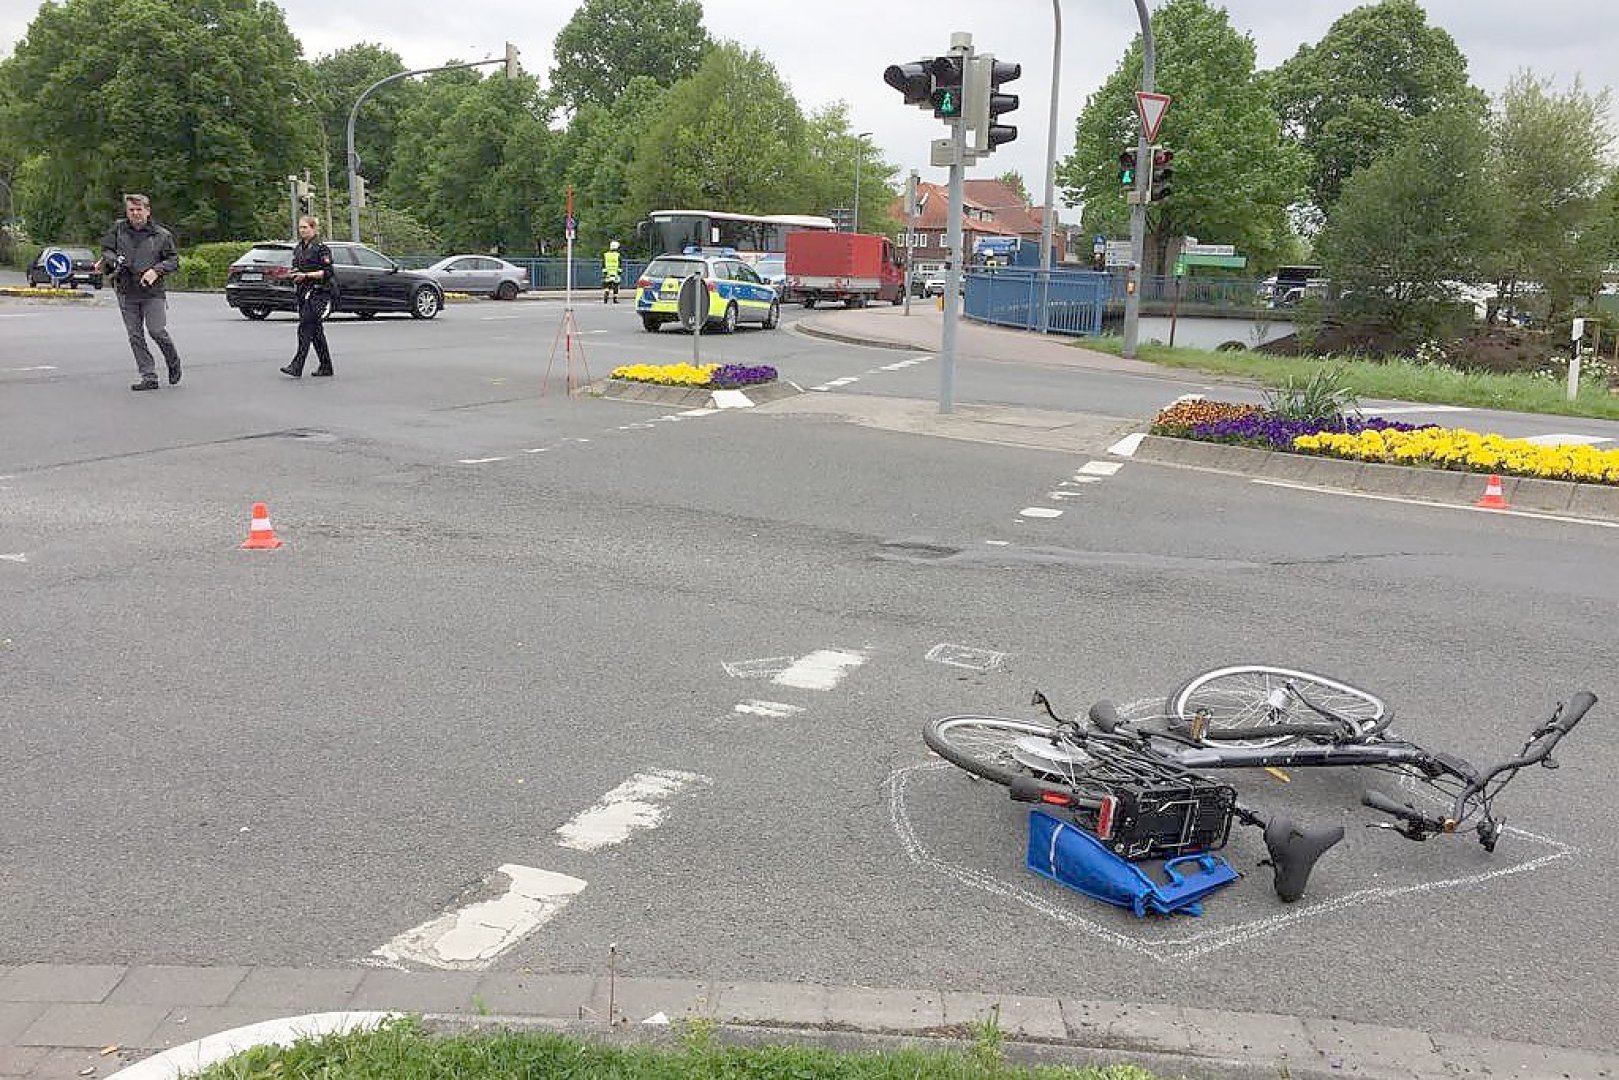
[[1127, 169], [948, 72]]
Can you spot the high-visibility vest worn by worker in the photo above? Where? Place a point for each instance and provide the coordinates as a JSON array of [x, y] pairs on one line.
[[610, 264]]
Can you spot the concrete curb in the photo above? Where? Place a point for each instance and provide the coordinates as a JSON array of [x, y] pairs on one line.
[[1524, 495], [692, 397], [62, 1021]]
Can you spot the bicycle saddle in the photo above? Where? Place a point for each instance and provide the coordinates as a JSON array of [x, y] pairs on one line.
[[1293, 853]]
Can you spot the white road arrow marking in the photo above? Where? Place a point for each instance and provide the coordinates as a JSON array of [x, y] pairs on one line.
[[820, 670]]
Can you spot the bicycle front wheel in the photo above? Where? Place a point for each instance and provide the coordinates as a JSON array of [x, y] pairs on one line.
[[1257, 696], [999, 749]]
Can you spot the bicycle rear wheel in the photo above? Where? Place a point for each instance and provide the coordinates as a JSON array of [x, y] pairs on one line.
[[999, 749], [1257, 696]]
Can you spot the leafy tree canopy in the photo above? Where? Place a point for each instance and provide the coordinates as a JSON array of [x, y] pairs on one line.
[[1350, 98], [1413, 225], [730, 137], [336, 82], [1234, 176], [164, 96], [1551, 161], [608, 42]]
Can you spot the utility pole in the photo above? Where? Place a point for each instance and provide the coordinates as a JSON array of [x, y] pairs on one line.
[[1048, 222], [1143, 190]]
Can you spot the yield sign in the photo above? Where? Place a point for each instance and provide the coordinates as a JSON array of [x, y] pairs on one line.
[[1151, 108]]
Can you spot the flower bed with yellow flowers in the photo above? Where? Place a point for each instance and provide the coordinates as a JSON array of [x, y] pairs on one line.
[[1374, 439], [1467, 451], [44, 292], [698, 376]]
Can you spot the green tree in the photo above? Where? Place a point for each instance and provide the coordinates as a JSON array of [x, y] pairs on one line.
[[595, 160], [826, 172], [731, 137], [1551, 152], [164, 96], [1412, 226], [336, 82], [1350, 98], [1234, 175], [608, 42]]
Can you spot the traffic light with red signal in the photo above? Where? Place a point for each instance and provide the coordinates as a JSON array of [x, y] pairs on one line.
[[1163, 173]]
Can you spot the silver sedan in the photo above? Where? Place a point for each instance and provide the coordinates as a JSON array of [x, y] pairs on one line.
[[481, 275]]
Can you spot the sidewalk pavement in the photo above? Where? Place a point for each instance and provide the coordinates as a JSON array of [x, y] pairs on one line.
[[64, 1021]]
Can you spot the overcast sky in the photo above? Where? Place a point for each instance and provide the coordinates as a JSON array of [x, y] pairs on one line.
[[829, 50]]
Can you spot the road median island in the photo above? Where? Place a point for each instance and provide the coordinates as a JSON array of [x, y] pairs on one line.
[[1416, 482]]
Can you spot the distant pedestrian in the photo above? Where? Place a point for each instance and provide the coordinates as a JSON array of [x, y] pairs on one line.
[[612, 272], [312, 277], [139, 253]]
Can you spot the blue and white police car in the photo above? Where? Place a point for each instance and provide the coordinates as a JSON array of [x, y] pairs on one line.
[[736, 293]]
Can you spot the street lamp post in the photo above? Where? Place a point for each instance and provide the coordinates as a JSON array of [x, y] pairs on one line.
[[1046, 222], [859, 154]]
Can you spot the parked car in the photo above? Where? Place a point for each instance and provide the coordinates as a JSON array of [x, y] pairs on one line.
[[934, 284], [82, 273], [367, 282], [736, 293], [482, 275]]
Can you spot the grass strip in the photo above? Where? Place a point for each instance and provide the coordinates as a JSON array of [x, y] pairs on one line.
[[404, 1049]]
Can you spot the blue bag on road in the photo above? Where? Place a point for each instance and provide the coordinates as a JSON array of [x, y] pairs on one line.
[[1068, 855]]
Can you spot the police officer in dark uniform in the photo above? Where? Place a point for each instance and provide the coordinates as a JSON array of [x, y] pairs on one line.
[[312, 276]]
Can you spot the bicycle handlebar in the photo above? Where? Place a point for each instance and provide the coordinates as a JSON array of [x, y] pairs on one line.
[[1409, 814]]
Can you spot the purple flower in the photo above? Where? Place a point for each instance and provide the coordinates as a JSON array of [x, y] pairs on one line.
[[1267, 430], [732, 376]]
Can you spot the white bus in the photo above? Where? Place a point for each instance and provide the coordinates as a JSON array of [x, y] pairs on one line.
[[749, 235]]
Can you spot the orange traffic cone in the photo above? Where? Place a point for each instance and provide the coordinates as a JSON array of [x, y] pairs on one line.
[[1493, 499], [259, 534]]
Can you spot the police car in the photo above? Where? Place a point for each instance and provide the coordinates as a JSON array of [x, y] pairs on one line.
[[736, 294]]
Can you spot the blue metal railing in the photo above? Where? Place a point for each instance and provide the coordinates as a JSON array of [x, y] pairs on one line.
[[1011, 297]]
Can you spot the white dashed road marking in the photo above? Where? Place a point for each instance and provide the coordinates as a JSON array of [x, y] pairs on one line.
[[1127, 446], [634, 805], [480, 460], [820, 670], [18, 556], [474, 937], [1099, 468], [965, 656], [1400, 410], [775, 710], [767, 668], [1040, 512]]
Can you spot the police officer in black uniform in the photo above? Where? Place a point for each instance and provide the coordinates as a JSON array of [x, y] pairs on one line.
[[312, 276]]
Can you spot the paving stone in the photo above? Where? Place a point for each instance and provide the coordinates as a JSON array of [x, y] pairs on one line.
[[1438, 485], [1372, 1050], [1264, 1037], [637, 999], [515, 994], [17, 1061], [1470, 1056], [885, 1009], [417, 991], [69, 1064], [60, 982], [162, 985], [1284, 466], [1376, 478], [303, 989], [763, 1003], [1089, 1022], [190, 1023], [94, 1025], [15, 1016], [1026, 1017]]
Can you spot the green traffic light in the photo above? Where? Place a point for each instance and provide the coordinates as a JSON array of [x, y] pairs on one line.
[[1127, 178]]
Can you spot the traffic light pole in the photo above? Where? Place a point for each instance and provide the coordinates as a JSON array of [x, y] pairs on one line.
[[1138, 208], [960, 45]]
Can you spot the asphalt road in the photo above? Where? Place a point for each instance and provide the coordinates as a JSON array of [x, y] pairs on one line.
[[498, 603]]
